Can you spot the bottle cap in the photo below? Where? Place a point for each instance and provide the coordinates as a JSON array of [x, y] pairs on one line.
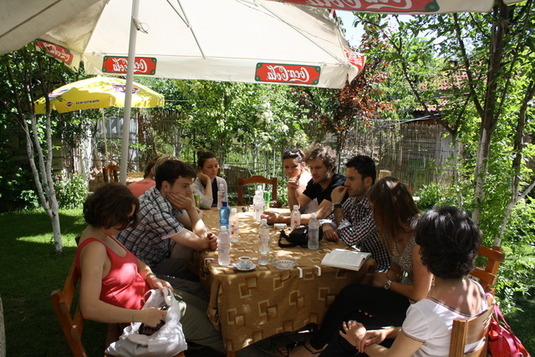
[[263, 221], [314, 216], [296, 207]]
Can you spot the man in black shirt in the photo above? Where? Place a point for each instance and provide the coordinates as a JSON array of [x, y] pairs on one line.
[[321, 161]]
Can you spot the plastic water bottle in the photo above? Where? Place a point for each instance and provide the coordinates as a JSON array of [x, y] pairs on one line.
[[223, 246], [263, 243], [259, 203], [234, 221], [220, 195], [295, 218], [313, 233], [224, 215]]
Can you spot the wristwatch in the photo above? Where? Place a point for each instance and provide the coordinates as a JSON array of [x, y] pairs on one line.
[[388, 284], [337, 205]]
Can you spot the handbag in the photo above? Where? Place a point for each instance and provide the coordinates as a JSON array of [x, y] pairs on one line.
[[298, 236], [166, 340], [502, 340]]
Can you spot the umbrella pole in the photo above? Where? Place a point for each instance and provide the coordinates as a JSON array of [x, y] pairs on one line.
[[125, 143], [104, 129]]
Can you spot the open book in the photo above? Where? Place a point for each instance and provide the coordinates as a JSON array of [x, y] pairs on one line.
[[345, 259]]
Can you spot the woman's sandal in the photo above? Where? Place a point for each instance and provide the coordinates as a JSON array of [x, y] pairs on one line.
[[307, 347]]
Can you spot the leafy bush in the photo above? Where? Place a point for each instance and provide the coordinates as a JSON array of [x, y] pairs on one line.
[[70, 193], [429, 196]]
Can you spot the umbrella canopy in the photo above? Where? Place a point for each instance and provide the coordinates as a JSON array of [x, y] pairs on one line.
[[22, 21], [98, 92], [404, 6], [227, 40]]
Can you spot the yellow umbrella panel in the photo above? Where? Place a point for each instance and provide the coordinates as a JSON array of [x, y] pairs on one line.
[[98, 92]]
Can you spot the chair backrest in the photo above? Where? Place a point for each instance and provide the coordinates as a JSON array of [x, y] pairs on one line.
[[257, 179], [487, 275], [69, 316], [467, 331]]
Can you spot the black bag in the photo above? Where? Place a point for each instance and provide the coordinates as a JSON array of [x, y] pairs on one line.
[[298, 236]]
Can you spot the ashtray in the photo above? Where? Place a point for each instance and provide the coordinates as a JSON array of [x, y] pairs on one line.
[[284, 264], [244, 265]]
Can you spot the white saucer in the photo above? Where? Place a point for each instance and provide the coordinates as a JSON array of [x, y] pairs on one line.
[[238, 267]]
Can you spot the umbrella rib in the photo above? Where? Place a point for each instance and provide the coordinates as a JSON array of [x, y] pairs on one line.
[[303, 33], [187, 23]]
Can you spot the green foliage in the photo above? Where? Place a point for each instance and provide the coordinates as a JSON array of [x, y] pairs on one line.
[[70, 192], [430, 196], [30, 198]]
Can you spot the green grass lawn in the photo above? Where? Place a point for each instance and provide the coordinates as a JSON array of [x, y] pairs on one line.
[[30, 270]]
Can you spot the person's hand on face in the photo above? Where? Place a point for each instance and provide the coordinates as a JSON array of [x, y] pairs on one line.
[[293, 183], [338, 193], [180, 201], [204, 178]]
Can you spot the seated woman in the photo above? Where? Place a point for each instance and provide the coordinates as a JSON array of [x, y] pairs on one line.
[[386, 302], [298, 175], [138, 188], [207, 183], [448, 240], [113, 281]]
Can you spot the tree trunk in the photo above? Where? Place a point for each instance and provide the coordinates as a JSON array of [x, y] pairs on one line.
[[2, 331], [489, 115]]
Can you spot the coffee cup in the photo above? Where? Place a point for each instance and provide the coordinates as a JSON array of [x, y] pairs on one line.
[[245, 262]]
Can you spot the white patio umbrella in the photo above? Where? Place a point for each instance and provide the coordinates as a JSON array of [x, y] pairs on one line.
[[253, 41], [22, 21], [403, 6]]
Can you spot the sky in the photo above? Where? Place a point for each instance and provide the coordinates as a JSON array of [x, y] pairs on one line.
[[353, 35]]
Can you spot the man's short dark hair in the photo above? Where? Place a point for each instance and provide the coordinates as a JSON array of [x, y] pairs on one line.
[[448, 241], [364, 165], [170, 170], [323, 153]]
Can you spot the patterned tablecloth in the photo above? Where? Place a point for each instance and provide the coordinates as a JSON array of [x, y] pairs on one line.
[[250, 306]]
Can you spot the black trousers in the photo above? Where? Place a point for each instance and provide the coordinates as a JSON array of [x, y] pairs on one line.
[[371, 306]]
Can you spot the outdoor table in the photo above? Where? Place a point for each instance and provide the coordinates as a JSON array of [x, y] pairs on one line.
[[250, 306]]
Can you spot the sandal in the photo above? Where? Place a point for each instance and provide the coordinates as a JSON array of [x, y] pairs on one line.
[[310, 351]]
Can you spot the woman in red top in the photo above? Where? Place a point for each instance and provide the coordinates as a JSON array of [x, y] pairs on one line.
[[113, 280]]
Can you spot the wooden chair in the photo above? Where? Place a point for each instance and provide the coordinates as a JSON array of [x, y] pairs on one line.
[[467, 331], [257, 179], [70, 317], [487, 275]]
